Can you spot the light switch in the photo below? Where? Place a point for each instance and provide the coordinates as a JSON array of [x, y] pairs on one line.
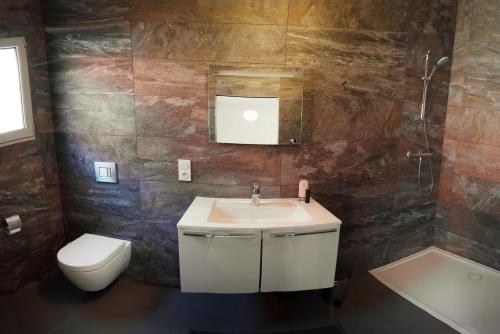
[[105, 172], [184, 170]]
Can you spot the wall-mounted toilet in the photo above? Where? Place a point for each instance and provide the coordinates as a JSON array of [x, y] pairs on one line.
[[92, 261]]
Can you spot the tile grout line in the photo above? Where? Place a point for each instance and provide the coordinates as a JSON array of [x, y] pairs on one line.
[[139, 183], [67, 321], [286, 31]]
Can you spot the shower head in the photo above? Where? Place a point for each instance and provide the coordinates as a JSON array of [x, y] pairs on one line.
[[442, 61], [427, 81]]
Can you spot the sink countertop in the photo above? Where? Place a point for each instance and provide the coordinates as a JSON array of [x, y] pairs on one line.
[[196, 217]]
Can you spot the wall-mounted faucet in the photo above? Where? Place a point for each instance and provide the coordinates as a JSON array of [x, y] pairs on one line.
[[255, 194]]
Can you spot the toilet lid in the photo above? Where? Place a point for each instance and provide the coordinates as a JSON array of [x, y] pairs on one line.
[[89, 252]]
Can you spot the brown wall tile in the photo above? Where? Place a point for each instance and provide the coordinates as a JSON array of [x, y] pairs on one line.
[[161, 77], [214, 11], [210, 42], [353, 165], [473, 125], [91, 76], [343, 116], [430, 16], [477, 194], [481, 87], [175, 116], [367, 81], [478, 160], [21, 170], [385, 15], [485, 25], [95, 114], [448, 174], [82, 12], [464, 19], [321, 46], [95, 40], [13, 12]]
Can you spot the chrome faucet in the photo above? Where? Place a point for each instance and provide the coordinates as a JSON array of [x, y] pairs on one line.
[[255, 194]]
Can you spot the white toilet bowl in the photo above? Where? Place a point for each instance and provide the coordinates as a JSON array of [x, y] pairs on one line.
[[92, 261]]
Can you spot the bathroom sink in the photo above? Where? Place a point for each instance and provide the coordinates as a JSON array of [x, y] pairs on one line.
[[234, 211], [228, 214]]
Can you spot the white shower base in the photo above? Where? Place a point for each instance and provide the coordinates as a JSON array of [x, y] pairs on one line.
[[461, 293]]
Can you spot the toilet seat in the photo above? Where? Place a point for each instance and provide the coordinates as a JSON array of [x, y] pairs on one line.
[[89, 252]]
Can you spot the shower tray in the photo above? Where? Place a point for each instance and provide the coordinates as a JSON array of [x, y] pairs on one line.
[[462, 293]]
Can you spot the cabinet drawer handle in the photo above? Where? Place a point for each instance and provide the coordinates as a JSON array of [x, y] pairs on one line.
[[208, 235], [282, 235]]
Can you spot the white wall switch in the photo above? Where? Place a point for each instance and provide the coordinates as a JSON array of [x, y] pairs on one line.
[[105, 172], [184, 168]]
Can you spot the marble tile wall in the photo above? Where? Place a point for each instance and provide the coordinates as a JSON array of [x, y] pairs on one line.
[[468, 219], [29, 183], [129, 84]]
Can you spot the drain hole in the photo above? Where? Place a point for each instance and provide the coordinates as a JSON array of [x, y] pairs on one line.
[[475, 276]]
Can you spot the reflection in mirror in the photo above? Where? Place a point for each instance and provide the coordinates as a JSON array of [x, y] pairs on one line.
[[255, 105]]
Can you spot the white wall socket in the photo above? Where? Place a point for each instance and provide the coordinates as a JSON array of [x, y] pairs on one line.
[[184, 168]]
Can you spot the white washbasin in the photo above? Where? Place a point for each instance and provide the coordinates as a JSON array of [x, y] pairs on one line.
[[234, 211]]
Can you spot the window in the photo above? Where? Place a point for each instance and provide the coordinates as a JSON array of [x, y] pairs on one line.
[[16, 117]]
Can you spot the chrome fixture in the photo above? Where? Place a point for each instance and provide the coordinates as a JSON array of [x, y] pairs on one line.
[[427, 78], [255, 194], [411, 155]]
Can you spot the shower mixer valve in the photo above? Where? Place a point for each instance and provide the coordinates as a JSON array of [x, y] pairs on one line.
[[412, 155]]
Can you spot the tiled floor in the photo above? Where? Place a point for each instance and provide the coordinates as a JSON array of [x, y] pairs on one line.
[[55, 306]]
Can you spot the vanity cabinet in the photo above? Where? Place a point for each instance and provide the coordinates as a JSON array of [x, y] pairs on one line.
[[298, 260], [234, 246], [244, 262], [224, 262]]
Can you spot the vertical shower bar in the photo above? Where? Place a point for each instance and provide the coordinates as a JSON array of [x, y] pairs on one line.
[[426, 79]]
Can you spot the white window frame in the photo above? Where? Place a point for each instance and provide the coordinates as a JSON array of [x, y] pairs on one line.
[[28, 132]]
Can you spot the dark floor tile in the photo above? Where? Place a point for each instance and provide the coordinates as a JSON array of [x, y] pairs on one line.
[[125, 307], [373, 308], [133, 308], [9, 323], [45, 306]]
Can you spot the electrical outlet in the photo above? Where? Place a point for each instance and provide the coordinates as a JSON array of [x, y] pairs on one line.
[[184, 168]]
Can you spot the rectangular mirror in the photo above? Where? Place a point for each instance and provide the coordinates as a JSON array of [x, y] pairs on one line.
[[255, 105]]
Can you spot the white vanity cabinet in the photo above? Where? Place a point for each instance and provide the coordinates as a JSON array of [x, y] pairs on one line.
[[232, 246], [298, 260], [215, 261]]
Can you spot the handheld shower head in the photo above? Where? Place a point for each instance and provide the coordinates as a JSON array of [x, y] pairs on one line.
[[442, 61], [427, 80]]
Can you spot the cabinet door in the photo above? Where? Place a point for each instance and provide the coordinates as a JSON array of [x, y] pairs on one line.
[[299, 260], [226, 262]]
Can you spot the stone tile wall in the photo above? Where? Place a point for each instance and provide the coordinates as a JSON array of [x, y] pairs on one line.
[[468, 220], [129, 84], [28, 171]]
